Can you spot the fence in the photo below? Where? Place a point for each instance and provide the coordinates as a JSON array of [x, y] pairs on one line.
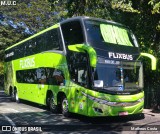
[[152, 98]]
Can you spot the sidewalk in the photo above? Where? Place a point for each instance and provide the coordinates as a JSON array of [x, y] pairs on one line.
[[152, 112]]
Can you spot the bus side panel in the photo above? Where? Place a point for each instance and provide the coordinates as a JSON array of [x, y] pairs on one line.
[[41, 91], [36, 92], [76, 100], [27, 91]]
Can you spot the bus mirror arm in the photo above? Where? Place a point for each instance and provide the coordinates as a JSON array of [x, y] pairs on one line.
[[153, 60]]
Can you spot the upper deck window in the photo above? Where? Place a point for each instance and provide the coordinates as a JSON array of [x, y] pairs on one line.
[[50, 40], [72, 33], [102, 32]]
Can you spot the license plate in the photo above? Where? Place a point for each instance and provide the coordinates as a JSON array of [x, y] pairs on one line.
[[123, 113]]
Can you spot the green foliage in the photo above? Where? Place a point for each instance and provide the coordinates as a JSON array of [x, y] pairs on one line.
[[71, 8], [98, 8], [59, 8], [155, 6], [36, 15], [1, 68], [124, 6]]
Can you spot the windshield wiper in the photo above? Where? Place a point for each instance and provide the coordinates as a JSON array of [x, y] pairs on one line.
[[132, 87]]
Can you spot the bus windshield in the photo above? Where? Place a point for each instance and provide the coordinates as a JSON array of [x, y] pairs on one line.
[[118, 75], [101, 32]]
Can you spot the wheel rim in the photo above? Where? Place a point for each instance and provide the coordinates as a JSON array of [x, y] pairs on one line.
[[52, 103], [65, 105]]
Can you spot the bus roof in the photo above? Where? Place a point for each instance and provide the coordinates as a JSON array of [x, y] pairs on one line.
[[64, 21], [91, 18], [39, 33]]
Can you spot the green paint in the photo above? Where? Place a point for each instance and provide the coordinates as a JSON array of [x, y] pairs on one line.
[[114, 109], [153, 60], [88, 49]]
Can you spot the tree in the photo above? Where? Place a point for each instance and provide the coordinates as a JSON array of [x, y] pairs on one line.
[[22, 20]]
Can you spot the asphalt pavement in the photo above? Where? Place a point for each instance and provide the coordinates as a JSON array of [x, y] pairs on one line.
[[30, 114]]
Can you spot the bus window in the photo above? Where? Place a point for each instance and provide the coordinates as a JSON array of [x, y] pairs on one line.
[[26, 76], [58, 77], [41, 75], [72, 33], [79, 75], [53, 41], [54, 77], [82, 76]]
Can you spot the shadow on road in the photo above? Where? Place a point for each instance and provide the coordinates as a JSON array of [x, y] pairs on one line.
[[108, 120], [92, 120]]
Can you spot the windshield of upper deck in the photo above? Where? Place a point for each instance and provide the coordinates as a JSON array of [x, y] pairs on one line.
[[110, 33]]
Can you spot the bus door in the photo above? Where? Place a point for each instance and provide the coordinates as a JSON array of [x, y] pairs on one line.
[[79, 88], [78, 69], [81, 91]]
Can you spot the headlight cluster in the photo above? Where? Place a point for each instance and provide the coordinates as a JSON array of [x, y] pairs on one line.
[[141, 99]]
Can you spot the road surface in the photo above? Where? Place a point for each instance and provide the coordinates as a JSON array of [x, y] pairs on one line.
[[28, 118]]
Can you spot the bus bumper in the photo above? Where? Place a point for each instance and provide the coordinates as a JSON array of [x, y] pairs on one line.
[[106, 110]]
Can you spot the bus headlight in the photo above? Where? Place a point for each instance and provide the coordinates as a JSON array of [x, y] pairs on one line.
[[141, 99]]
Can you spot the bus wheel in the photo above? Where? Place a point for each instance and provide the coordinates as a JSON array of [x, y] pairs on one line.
[[52, 105], [65, 110], [16, 96]]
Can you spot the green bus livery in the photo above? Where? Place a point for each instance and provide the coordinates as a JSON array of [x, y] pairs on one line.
[[81, 65]]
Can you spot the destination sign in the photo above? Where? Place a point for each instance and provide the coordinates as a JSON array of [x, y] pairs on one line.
[[120, 56]]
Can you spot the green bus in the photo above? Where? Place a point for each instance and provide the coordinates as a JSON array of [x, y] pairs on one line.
[[81, 65]]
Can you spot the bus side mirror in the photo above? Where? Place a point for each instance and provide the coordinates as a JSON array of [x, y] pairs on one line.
[[85, 48], [153, 60], [98, 83]]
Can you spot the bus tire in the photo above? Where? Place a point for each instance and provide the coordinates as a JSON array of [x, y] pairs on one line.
[[16, 96], [64, 107], [52, 106]]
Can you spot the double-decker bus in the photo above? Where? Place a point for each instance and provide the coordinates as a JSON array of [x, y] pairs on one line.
[[82, 65]]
